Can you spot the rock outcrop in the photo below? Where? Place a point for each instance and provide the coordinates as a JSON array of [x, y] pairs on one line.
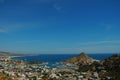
[[80, 59], [112, 65], [107, 68]]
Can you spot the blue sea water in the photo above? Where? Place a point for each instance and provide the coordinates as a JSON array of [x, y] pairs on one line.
[[53, 58]]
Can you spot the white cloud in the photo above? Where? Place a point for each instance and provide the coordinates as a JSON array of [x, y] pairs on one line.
[[3, 30], [57, 7], [6, 28], [27, 41], [100, 49], [91, 49], [13, 26], [101, 42]]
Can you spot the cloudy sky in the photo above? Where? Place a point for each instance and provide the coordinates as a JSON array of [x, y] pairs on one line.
[[60, 26]]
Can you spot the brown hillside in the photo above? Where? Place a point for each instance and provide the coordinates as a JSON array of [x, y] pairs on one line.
[[80, 59]]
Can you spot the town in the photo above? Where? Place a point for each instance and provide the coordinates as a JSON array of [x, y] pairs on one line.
[[21, 70]]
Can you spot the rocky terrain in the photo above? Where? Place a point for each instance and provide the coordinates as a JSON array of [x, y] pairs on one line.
[[82, 58], [107, 69], [81, 67], [112, 66], [4, 77]]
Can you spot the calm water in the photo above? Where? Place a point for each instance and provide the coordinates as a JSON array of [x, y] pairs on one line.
[[52, 58]]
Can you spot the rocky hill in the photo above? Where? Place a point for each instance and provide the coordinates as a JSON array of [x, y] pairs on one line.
[[107, 68], [112, 65], [80, 59]]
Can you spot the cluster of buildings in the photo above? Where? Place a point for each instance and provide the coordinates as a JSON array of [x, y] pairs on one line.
[[20, 70]]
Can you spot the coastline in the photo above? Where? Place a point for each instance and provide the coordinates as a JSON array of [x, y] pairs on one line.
[[11, 57], [27, 70]]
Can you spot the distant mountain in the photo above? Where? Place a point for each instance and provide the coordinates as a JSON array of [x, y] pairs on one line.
[[13, 54], [4, 53], [80, 59]]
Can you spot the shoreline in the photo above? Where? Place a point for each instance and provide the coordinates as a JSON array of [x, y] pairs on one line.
[[11, 57]]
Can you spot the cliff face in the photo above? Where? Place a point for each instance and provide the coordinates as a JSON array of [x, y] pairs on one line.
[[80, 59]]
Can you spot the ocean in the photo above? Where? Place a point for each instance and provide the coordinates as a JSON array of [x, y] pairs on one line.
[[53, 58]]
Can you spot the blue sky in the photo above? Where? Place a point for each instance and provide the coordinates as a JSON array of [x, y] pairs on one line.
[[60, 26]]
